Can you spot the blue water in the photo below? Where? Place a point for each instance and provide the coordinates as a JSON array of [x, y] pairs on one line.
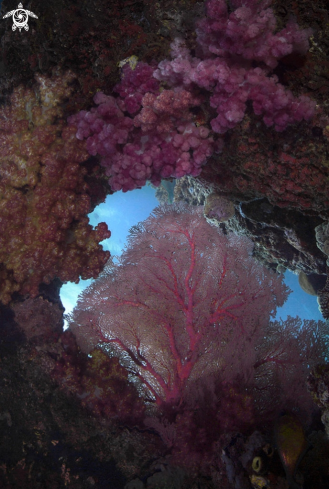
[[123, 210], [120, 211]]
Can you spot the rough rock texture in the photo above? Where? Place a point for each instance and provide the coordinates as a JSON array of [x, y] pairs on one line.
[[324, 299], [318, 385], [322, 238], [191, 191], [284, 238], [291, 170]]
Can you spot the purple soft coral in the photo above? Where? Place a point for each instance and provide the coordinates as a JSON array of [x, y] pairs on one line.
[[159, 140], [149, 134], [227, 44], [248, 32]]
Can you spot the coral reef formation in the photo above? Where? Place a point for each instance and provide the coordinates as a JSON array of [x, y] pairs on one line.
[[44, 199], [151, 312], [254, 461], [318, 385], [227, 43], [160, 138], [59, 408], [322, 238], [284, 238], [40, 320], [69, 419], [89, 38], [323, 299], [172, 243], [178, 309], [285, 169]]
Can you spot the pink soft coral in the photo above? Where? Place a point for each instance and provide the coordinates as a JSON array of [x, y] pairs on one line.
[[227, 44], [149, 134], [159, 141], [248, 32]]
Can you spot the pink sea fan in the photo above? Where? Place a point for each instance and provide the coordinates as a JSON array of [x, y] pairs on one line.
[[181, 292]]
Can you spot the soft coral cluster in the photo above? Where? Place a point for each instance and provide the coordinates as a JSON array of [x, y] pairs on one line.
[[99, 382], [227, 46], [44, 200], [149, 134], [248, 31], [144, 134]]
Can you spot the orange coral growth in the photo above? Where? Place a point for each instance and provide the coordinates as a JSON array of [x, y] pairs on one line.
[[44, 200]]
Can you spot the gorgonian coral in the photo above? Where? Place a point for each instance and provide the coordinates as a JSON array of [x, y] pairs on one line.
[[183, 302], [44, 200], [187, 310]]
